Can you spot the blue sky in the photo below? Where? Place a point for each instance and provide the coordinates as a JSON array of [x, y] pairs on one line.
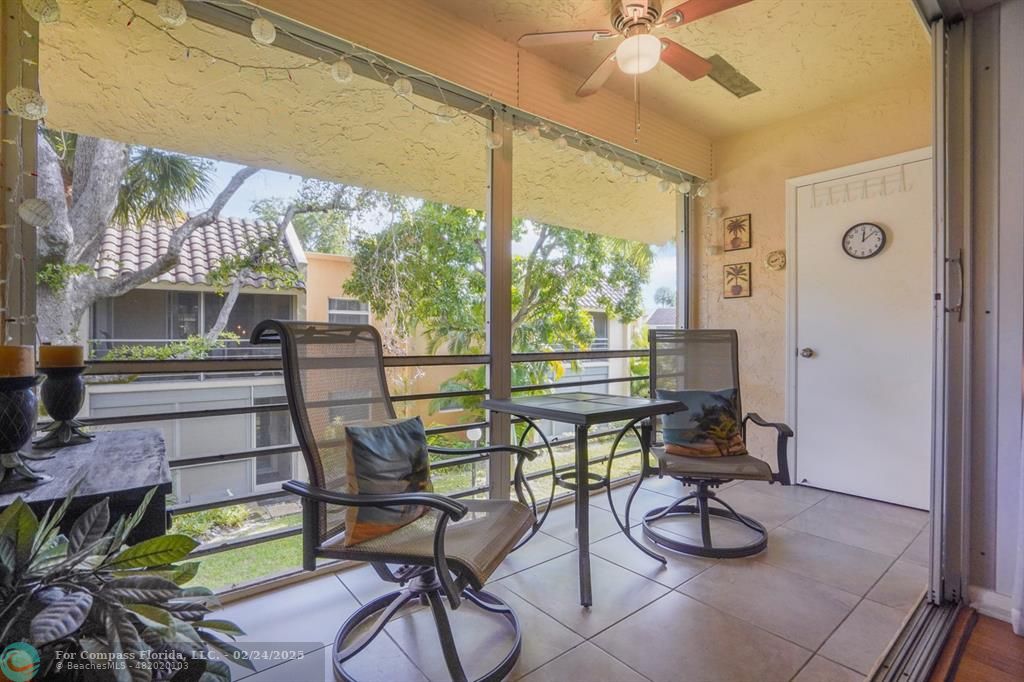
[[269, 183]]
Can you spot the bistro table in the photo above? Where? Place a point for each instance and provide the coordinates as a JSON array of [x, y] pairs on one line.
[[120, 465], [584, 410]]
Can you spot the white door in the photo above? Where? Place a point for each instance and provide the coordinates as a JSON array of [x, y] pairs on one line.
[[862, 338]]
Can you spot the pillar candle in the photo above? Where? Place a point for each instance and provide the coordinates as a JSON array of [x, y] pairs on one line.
[[61, 356], [17, 361]]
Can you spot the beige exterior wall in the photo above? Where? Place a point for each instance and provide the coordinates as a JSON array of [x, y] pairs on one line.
[[750, 171], [326, 273]]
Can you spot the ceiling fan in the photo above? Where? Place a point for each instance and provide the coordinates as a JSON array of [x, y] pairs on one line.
[[636, 20]]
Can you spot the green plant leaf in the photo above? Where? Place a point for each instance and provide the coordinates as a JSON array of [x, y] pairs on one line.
[[137, 515], [151, 616], [20, 525], [186, 572], [123, 638], [60, 619], [216, 671], [164, 549], [7, 554], [225, 626], [140, 589], [239, 656], [89, 527]]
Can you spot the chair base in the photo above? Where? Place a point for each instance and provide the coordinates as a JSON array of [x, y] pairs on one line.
[[704, 511], [425, 589]]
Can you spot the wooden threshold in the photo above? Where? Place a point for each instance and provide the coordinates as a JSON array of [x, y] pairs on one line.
[[980, 649]]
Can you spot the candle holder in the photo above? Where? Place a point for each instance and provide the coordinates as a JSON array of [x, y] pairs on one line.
[[18, 412], [63, 395]]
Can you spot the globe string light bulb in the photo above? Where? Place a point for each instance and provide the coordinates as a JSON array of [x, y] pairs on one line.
[[561, 144], [702, 190], [664, 186], [35, 212], [171, 12], [341, 71], [589, 157], [402, 87], [616, 169], [446, 113], [43, 11], [532, 133], [26, 103], [685, 187], [263, 32], [493, 139]]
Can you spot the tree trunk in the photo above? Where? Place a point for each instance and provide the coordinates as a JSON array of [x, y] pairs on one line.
[[225, 311]]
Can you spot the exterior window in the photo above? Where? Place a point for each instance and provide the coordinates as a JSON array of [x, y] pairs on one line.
[[347, 311], [183, 314], [273, 428], [600, 322]]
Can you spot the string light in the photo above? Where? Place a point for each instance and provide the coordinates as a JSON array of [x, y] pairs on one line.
[[493, 139], [341, 71], [26, 103], [702, 190], [35, 212], [446, 113], [337, 65], [171, 12], [685, 187], [664, 186], [402, 86], [43, 11], [263, 31]]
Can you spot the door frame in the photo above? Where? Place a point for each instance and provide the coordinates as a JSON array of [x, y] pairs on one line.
[[792, 185]]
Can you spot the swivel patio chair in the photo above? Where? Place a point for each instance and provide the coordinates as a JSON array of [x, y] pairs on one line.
[[334, 375], [702, 363]]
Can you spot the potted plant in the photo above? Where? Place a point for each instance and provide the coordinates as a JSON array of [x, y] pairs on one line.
[[88, 597]]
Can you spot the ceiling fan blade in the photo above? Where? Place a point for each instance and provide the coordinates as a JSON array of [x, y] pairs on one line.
[[597, 79], [564, 37], [686, 62], [693, 10]]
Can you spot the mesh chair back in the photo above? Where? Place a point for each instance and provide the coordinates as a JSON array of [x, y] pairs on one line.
[[695, 360], [334, 375]]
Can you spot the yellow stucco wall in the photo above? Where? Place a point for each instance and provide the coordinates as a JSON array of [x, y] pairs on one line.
[[750, 171], [326, 273]]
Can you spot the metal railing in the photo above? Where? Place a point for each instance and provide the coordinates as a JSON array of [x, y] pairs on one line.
[[248, 366]]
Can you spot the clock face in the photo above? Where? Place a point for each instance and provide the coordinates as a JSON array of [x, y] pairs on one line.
[[864, 240]]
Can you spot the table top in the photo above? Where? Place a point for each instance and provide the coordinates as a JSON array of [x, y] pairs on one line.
[[114, 462], [582, 408]]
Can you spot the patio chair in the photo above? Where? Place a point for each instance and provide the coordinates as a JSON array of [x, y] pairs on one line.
[[705, 362], [334, 375]]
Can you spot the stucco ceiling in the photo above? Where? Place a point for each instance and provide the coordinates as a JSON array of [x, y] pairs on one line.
[[135, 84], [803, 54]]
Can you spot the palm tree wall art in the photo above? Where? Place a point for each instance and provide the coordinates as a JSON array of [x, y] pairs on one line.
[[736, 280], [737, 232]]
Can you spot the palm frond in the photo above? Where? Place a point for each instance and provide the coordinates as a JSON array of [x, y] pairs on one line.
[[158, 184]]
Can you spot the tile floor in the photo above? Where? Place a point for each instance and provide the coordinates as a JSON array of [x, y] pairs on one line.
[[821, 603]]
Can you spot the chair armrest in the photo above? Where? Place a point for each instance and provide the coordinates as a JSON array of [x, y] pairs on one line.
[[782, 452], [525, 452], [783, 429], [455, 510]]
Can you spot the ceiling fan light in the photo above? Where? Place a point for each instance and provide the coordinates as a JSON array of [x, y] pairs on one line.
[[638, 53]]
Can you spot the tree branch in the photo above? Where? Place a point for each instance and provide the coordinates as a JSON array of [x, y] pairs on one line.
[[55, 240], [236, 287], [165, 261], [100, 166]]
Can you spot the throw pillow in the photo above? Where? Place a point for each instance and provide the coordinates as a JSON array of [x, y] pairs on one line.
[[385, 458], [705, 427]]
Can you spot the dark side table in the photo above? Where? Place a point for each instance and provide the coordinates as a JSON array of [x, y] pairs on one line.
[[584, 410], [121, 465]]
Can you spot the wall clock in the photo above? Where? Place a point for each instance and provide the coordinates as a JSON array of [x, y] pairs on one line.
[[864, 240]]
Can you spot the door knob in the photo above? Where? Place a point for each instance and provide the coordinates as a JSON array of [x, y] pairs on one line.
[[806, 353]]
